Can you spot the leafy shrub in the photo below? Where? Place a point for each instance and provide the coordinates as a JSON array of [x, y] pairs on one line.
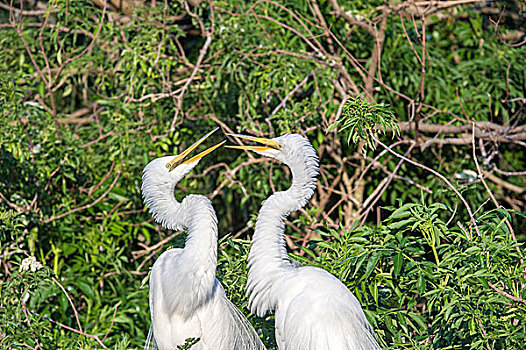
[[428, 286]]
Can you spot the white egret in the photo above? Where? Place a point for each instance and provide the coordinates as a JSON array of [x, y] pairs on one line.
[[313, 309], [186, 299]]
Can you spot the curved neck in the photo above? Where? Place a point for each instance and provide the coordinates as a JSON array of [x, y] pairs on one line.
[[195, 214], [269, 238], [201, 242], [268, 257]]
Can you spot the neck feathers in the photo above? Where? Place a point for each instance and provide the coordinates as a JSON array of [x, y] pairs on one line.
[[201, 222], [197, 263], [268, 258]]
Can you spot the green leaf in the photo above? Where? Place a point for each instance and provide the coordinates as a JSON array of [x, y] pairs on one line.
[[398, 261], [419, 320], [402, 223], [371, 264]]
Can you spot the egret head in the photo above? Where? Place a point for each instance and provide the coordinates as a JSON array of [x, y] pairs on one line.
[[297, 153], [176, 167], [171, 169], [284, 148]]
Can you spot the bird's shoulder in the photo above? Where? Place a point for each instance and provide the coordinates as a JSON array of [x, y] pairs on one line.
[[314, 279], [169, 254], [167, 259], [320, 312], [324, 319], [311, 284]]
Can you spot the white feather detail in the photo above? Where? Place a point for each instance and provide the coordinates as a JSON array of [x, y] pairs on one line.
[[313, 309], [186, 299], [268, 258]]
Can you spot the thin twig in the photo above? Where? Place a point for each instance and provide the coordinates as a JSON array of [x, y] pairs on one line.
[[96, 338], [481, 177], [60, 216], [442, 177], [507, 295], [112, 321], [70, 302]]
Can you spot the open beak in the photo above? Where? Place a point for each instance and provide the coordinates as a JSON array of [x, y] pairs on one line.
[[180, 159], [269, 144]]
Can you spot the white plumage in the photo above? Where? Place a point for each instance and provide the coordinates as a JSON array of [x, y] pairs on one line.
[[186, 299], [313, 309]]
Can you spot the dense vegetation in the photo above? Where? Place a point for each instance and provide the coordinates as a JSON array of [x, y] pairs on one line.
[[416, 110]]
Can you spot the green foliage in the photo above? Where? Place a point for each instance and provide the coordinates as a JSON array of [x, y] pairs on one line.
[[34, 289], [10, 222], [232, 267], [360, 118], [86, 101], [412, 216], [419, 297], [188, 344]]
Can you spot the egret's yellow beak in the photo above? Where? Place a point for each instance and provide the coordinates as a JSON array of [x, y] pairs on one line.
[[269, 144], [180, 159]]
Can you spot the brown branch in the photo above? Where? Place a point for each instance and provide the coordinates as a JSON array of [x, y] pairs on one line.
[[379, 38], [96, 338], [292, 92], [383, 186], [230, 174], [13, 205], [458, 129], [466, 140], [431, 6], [112, 133], [299, 20], [506, 185], [103, 180], [21, 11], [28, 50], [289, 28], [481, 177], [510, 173], [77, 117], [60, 216], [340, 12], [70, 302], [157, 96], [86, 50], [180, 97], [501, 39], [112, 321], [442, 177], [30, 325], [507, 295], [147, 250]]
